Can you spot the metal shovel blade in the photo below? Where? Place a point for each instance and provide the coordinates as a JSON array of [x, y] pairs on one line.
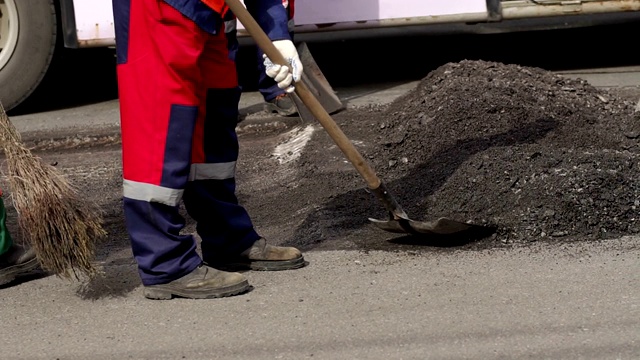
[[399, 221], [441, 226], [317, 84]]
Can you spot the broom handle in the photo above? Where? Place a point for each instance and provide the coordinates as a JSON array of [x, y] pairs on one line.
[[9, 132], [306, 95]]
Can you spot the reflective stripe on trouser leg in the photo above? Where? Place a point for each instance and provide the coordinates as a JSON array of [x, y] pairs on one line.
[[224, 226], [158, 81]]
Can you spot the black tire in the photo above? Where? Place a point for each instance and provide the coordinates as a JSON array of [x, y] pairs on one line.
[[23, 68]]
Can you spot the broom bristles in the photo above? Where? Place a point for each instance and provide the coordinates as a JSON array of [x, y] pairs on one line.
[[54, 219]]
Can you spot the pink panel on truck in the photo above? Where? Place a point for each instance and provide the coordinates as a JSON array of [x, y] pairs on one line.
[[332, 11], [94, 22], [343, 14], [94, 18]]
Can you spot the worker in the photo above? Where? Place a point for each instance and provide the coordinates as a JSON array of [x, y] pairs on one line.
[[179, 98], [276, 100], [16, 261]]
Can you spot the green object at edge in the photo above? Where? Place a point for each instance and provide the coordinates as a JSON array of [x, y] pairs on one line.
[[5, 237]]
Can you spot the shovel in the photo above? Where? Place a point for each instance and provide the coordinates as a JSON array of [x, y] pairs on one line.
[[398, 221], [317, 84]]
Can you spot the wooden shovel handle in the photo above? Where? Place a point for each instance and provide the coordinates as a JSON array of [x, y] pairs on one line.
[[307, 97]]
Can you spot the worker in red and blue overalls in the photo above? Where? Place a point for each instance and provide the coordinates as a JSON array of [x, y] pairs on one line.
[[179, 96]]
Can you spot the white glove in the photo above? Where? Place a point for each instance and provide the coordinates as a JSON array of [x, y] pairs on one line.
[[285, 76]]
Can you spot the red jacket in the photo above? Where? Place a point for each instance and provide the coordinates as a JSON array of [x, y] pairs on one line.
[[209, 14], [218, 6]]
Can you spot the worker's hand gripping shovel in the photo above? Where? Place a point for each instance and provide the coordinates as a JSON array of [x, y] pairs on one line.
[[398, 221]]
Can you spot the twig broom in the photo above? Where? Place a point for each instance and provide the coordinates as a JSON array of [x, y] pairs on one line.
[[57, 222]]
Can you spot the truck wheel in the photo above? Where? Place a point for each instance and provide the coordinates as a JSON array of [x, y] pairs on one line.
[[27, 43]]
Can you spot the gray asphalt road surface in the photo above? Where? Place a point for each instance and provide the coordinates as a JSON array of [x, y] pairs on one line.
[[574, 302]]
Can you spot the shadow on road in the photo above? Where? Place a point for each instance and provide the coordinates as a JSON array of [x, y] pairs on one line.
[[115, 282], [76, 77]]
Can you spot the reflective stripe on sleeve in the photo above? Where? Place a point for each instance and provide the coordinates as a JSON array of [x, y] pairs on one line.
[[230, 26]]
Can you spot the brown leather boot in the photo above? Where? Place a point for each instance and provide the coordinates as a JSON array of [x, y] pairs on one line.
[[282, 105], [17, 262], [263, 257], [202, 283]]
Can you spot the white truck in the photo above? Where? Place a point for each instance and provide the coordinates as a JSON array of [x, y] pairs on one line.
[[32, 32]]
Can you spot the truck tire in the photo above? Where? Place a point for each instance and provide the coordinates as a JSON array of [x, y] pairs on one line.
[[28, 32]]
